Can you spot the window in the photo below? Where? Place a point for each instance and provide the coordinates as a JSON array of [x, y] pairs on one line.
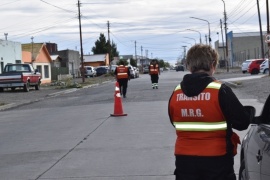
[[2, 66], [46, 71], [39, 68]]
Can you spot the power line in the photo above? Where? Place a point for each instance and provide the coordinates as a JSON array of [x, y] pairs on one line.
[[58, 7]]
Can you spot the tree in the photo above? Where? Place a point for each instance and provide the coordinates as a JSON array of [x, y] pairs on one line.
[[122, 60], [114, 52], [133, 62], [161, 63], [102, 46]]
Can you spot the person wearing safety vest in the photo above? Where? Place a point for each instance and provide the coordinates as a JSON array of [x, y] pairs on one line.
[[154, 72], [203, 112], [122, 74]]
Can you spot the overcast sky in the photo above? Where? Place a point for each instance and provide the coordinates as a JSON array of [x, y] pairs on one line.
[[159, 27]]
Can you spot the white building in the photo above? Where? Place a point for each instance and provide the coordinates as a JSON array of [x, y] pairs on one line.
[[10, 52]]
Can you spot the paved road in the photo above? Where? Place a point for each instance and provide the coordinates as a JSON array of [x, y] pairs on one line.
[[72, 135]]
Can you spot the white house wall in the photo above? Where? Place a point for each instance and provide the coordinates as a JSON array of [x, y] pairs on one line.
[[43, 79], [10, 52]]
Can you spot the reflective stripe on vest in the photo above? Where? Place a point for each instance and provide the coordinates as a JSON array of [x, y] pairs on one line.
[[212, 85], [199, 126]]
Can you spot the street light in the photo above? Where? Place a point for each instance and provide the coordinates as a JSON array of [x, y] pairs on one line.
[[198, 32], [209, 33], [191, 38], [186, 43]]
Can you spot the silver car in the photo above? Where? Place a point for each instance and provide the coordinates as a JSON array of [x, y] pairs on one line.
[[245, 65], [264, 67], [255, 148], [90, 71]]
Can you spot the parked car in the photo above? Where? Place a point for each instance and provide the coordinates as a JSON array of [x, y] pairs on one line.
[[102, 70], [137, 72], [264, 67], [145, 69], [255, 148], [20, 76], [180, 68], [113, 67], [254, 66], [245, 65], [90, 71], [132, 71]]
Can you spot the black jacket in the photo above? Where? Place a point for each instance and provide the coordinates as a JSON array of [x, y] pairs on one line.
[[235, 113]]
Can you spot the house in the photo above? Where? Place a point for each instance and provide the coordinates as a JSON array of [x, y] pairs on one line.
[[38, 55], [56, 61], [70, 61], [96, 60], [10, 52]]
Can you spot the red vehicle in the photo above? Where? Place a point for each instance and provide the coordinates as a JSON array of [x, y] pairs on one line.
[[254, 66], [20, 76]]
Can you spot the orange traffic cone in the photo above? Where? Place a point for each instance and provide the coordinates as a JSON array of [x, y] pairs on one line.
[[118, 110]]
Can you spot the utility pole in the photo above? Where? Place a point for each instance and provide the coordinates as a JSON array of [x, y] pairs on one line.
[[6, 34], [223, 45], [205, 39], [136, 52], [146, 53], [109, 48], [141, 52], [261, 34], [184, 56], [32, 42], [226, 37], [80, 27]]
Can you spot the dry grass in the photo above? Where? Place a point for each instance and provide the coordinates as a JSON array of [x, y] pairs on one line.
[[78, 82]]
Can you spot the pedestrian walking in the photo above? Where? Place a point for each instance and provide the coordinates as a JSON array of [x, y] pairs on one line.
[[122, 74], [154, 72], [204, 113]]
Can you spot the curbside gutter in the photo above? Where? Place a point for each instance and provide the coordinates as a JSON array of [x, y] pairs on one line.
[[231, 84]]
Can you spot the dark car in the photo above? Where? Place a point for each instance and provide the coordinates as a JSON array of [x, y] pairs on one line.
[[255, 148], [102, 70], [180, 68]]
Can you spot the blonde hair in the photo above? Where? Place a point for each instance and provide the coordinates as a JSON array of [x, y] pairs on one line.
[[201, 57]]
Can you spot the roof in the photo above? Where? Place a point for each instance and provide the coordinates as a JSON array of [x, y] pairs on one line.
[[94, 58], [126, 56], [54, 57], [247, 34], [36, 49]]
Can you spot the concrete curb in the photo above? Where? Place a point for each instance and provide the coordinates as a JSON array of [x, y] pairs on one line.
[[231, 84]]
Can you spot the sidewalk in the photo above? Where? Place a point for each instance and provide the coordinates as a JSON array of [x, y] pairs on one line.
[[10, 99]]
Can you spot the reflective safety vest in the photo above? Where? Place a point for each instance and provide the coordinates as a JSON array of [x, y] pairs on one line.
[[122, 72], [154, 69], [199, 122]]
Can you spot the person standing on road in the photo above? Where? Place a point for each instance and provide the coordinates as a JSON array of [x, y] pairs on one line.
[[203, 112], [122, 76], [154, 72]]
